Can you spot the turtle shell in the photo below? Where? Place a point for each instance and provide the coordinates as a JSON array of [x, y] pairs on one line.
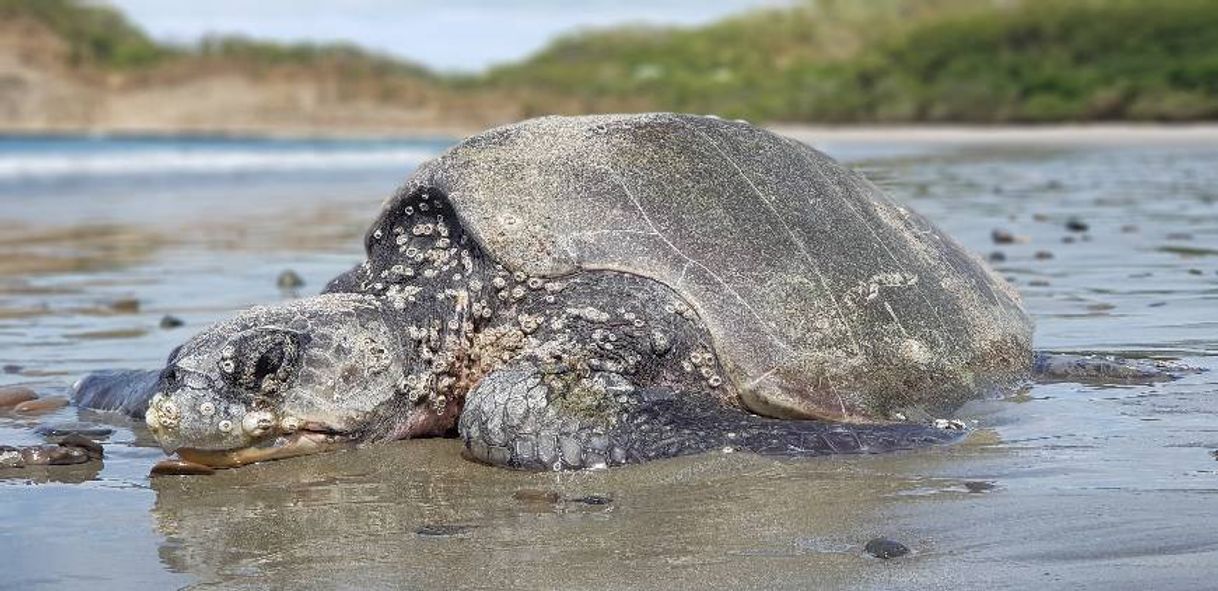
[[823, 297]]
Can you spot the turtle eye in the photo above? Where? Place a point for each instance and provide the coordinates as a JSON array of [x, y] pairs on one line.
[[261, 360]]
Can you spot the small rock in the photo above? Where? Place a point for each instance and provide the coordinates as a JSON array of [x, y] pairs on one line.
[[1215, 454], [592, 500], [14, 395], [1195, 272], [1043, 255], [1129, 229], [289, 280], [1077, 225], [1000, 236], [1067, 240], [442, 530], [533, 495], [979, 486], [1038, 283], [177, 467], [168, 321], [41, 405], [1179, 236], [886, 548], [125, 305], [92, 448], [53, 455], [81, 429], [12, 368], [997, 256], [1156, 304]]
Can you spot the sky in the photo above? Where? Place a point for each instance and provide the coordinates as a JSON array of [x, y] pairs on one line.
[[450, 35]]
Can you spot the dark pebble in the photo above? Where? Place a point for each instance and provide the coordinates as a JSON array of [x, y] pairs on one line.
[[1129, 229], [1215, 454], [533, 495], [168, 321], [886, 548], [997, 256], [979, 486], [14, 395], [12, 368], [289, 280], [1067, 240], [443, 530], [66, 429], [1156, 304], [92, 448], [1195, 272], [1000, 236], [40, 405], [1043, 255], [1179, 236], [1076, 225], [125, 305], [1038, 283], [176, 467], [592, 500], [53, 455]]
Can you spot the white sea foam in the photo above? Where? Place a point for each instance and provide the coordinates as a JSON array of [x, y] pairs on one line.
[[45, 165]]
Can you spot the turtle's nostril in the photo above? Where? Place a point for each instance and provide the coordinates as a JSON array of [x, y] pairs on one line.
[[171, 378]]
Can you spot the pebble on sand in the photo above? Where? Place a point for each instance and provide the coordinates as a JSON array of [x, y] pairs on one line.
[[289, 279], [41, 405], [1076, 225], [168, 321], [14, 395], [1043, 255], [997, 256], [76, 428], [886, 548], [125, 305], [1000, 236]]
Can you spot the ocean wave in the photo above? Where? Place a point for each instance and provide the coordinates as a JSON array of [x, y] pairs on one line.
[[48, 166]]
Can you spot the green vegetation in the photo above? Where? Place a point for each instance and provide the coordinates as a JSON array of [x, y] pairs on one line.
[[94, 34], [1036, 60], [826, 60]]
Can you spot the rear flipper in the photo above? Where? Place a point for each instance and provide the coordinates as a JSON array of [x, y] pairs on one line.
[[126, 391], [1066, 367], [523, 417]]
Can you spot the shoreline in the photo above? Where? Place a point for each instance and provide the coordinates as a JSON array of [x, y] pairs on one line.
[[1057, 133], [1052, 133]]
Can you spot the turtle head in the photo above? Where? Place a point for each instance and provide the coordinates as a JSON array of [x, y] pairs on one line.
[[281, 381]]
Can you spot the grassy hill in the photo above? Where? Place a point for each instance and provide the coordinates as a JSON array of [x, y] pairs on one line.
[[1035, 60], [834, 61]]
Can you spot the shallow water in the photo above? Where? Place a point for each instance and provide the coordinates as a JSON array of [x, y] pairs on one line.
[[1082, 486]]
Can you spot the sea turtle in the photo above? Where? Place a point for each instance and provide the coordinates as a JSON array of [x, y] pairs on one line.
[[575, 292]]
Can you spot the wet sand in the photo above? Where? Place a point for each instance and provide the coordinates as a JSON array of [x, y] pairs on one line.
[[1062, 486]]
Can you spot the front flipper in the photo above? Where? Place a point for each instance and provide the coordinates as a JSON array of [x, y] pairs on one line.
[[525, 417], [126, 391], [1066, 367]]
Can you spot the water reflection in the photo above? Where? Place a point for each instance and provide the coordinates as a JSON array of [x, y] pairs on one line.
[[378, 517]]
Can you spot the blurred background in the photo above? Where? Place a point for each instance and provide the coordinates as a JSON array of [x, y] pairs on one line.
[[391, 68]]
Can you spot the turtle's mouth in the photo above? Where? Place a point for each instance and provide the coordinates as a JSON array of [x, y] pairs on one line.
[[300, 443]]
